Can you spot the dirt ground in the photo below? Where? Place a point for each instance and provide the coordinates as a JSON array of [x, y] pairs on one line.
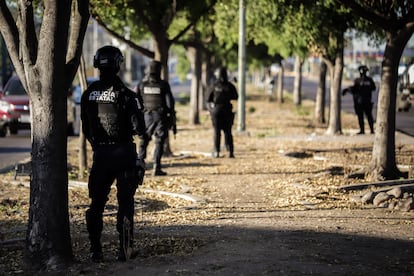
[[273, 210]]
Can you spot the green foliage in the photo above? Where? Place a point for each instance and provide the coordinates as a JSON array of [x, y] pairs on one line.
[[119, 17], [183, 65], [274, 29], [160, 19]]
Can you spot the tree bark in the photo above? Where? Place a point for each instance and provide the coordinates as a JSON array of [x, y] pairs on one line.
[[336, 69], [83, 165], [279, 87], [297, 85], [321, 95], [46, 64], [383, 164], [48, 234], [195, 86], [206, 76], [162, 47]]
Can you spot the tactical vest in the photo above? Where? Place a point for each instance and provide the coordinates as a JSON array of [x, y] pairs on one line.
[[220, 94], [364, 88], [107, 115], [152, 96]]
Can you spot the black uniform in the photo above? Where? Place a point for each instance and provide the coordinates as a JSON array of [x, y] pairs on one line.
[[362, 96], [159, 113], [111, 115], [222, 116]]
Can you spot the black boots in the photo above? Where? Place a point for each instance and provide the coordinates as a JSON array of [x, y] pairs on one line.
[[96, 249], [157, 171], [94, 229]]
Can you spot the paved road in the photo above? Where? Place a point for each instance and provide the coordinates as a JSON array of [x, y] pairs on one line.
[[14, 149]]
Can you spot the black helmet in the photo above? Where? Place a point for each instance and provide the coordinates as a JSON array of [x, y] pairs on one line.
[[155, 68], [363, 69], [221, 74], [108, 57]]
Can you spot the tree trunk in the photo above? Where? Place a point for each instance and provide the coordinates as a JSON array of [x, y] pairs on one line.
[[335, 127], [161, 51], [297, 85], [383, 164], [48, 235], [46, 64], [279, 87], [195, 86], [321, 95], [198, 72], [206, 76], [83, 165]]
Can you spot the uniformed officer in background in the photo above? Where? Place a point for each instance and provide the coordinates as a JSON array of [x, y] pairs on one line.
[[159, 113], [219, 99], [362, 91], [111, 114]]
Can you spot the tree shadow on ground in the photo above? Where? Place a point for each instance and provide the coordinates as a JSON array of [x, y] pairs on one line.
[[237, 250], [222, 250]]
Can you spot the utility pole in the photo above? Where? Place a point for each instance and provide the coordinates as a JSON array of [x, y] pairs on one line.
[[241, 112]]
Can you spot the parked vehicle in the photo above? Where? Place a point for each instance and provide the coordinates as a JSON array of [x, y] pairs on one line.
[[405, 90], [406, 79], [9, 120], [15, 111], [15, 108]]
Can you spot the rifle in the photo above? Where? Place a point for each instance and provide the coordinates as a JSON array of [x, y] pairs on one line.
[[172, 122]]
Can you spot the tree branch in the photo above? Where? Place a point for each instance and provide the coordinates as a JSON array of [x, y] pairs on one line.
[[29, 42], [368, 14], [131, 44], [10, 34], [193, 22], [152, 26], [80, 18]]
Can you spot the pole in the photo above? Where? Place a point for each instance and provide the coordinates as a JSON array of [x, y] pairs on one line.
[[242, 67]]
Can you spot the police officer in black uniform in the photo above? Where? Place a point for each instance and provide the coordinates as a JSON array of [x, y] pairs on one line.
[[159, 113], [220, 107], [111, 114], [362, 91]]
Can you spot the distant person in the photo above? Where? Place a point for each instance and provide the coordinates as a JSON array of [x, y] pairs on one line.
[[159, 112], [362, 91], [219, 99], [111, 114]]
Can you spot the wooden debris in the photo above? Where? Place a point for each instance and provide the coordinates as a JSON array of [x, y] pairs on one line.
[[362, 186], [183, 196]]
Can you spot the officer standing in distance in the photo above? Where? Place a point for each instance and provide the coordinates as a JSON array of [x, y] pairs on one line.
[[159, 113], [219, 100], [111, 114], [362, 91]]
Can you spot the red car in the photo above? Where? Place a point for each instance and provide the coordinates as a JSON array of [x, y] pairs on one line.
[[14, 107]]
